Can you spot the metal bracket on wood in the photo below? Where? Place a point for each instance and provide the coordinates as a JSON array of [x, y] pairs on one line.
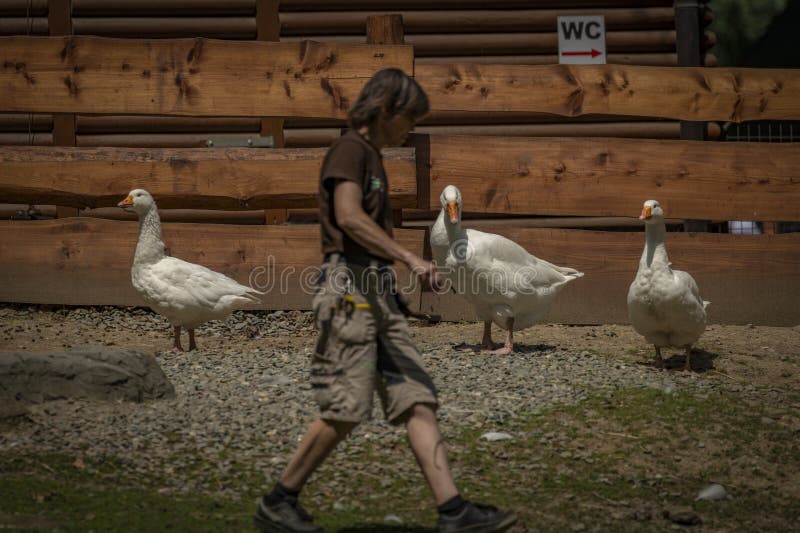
[[249, 142]]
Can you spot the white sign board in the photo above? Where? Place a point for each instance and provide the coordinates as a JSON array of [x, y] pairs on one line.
[[582, 40]]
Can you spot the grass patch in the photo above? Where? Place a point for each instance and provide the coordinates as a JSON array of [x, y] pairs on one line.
[[616, 462]]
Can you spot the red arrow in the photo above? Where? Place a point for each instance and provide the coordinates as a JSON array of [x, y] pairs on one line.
[[593, 53]]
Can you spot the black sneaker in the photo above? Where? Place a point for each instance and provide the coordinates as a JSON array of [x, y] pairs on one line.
[[284, 517], [477, 518]]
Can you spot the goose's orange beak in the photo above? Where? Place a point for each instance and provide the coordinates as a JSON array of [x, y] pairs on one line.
[[452, 212], [647, 212], [127, 202]]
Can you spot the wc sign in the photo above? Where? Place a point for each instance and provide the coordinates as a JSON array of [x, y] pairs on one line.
[[582, 40]]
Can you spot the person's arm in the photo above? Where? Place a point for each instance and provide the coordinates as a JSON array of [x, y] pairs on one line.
[[350, 216]]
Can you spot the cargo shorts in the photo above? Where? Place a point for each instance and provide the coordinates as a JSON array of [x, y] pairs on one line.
[[364, 345]]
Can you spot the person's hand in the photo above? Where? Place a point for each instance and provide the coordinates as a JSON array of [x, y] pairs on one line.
[[426, 270]]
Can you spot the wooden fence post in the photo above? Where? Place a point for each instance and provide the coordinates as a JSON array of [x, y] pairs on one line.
[[268, 28], [387, 29], [690, 54], [59, 20]]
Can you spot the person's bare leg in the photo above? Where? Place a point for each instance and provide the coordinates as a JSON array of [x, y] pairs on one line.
[[428, 446], [508, 347], [192, 345], [318, 442], [176, 347]]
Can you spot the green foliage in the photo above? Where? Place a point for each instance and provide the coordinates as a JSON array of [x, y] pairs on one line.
[[739, 24]]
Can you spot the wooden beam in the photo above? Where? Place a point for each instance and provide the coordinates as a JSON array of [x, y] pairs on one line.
[[214, 178], [322, 5], [656, 59], [59, 17], [269, 29], [472, 20], [613, 177], [187, 76], [87, 261], [437, 44], [678, 93], [387, 29], [141, 8], [747, 279]]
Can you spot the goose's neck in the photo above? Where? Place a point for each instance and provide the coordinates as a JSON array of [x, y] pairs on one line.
[[150, 247], [443, 227], [655, 248]]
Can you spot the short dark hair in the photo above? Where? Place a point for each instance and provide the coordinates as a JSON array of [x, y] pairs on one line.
[[392, 90]]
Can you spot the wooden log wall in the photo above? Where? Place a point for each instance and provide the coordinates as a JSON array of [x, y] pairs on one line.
[[510, 32]]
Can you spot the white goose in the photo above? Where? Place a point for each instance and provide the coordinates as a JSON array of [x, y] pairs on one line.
[[187, 294], [506, 284], [664, 305]]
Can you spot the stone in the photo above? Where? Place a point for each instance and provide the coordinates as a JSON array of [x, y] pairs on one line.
[[85, 372], [684, 516]]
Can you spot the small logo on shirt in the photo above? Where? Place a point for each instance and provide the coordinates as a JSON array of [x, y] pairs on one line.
[[375, 183]]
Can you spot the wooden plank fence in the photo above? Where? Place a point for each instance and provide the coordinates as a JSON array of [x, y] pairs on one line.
[[612, 177], [82, 261], [203, 77], [747, 278], [87, 260], [202, 178], [206, 77]]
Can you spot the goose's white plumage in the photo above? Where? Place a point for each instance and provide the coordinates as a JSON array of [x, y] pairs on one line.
[[664, 305], [506, 284], [186, 293]]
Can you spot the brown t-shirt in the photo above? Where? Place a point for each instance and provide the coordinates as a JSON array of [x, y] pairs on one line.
[[352, 158]]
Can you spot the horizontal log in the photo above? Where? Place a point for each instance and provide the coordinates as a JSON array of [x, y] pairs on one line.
[[642, 130], [22, 8], [21, 25], [19, 122], [22, 139], [685, 93], [188, 76], [88, 124], [747, 279], [310, 137], [161, 140], [330, 5], [613, 177], [472, 21], [209, 178], [172, 27], [199, 216], [488, 224], [24, 211], [307, 137], [438, 44], [450, 118], [174, 8], [656, 60], [82, 261]]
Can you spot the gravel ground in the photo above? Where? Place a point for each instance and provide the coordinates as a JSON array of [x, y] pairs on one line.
[[244, 398]]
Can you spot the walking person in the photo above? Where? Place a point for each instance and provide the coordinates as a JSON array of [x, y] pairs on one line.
[[364, 342]]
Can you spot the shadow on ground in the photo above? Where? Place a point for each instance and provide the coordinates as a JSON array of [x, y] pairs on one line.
[[702, 361], [378, 528]]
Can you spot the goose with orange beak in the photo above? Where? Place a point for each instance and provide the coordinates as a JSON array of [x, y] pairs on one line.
[[186, 293], [507, 285], [664, 305]]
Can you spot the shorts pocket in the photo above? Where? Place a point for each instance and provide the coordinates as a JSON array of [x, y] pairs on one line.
[[355, 327]]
